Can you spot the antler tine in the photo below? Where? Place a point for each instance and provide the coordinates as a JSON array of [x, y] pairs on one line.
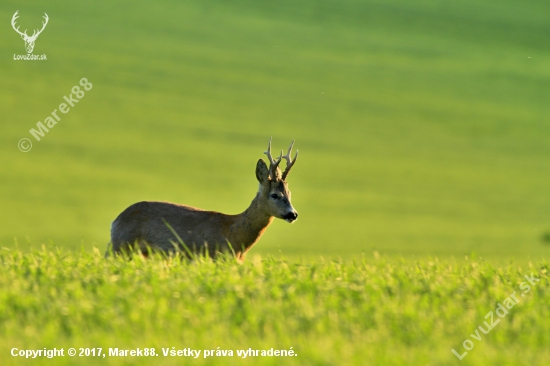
[[273, 164], [46, 18], [268, 152], [289, 161], [13, 19]]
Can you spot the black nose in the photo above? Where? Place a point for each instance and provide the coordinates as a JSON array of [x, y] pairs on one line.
[[291, 216]]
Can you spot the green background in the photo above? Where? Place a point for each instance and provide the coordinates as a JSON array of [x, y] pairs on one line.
[[422, 126]]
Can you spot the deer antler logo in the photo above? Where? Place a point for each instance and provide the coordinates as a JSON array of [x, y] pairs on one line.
[[29, 41]]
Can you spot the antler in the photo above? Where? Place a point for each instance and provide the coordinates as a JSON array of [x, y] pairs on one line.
[[36, 33], [289, 161], [273, 164], [13, 19]]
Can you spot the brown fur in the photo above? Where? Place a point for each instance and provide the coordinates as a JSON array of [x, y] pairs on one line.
[[150, 225]]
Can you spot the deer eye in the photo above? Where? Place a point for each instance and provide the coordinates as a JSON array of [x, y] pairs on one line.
[[275, 196]]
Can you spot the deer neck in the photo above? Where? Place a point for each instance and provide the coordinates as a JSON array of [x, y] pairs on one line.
[[249, 226]]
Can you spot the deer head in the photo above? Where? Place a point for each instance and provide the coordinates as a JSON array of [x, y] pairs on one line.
[[29, 40], [273, 186]]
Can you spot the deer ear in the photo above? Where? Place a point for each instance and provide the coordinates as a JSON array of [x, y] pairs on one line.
[[262, 173]]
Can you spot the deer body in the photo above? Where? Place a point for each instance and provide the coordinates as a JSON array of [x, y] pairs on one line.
[[168, 227]]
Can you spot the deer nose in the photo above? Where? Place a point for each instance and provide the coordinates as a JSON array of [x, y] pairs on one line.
[[291, 216]]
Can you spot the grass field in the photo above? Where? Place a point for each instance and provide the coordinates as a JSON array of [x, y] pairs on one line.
[[369, 311], [423, 132], [422, 126]]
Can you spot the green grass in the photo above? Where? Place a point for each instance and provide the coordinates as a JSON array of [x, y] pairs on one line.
[[422, 126], [370, 310]]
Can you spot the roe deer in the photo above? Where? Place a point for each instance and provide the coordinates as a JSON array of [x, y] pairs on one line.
[[169, 227]]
